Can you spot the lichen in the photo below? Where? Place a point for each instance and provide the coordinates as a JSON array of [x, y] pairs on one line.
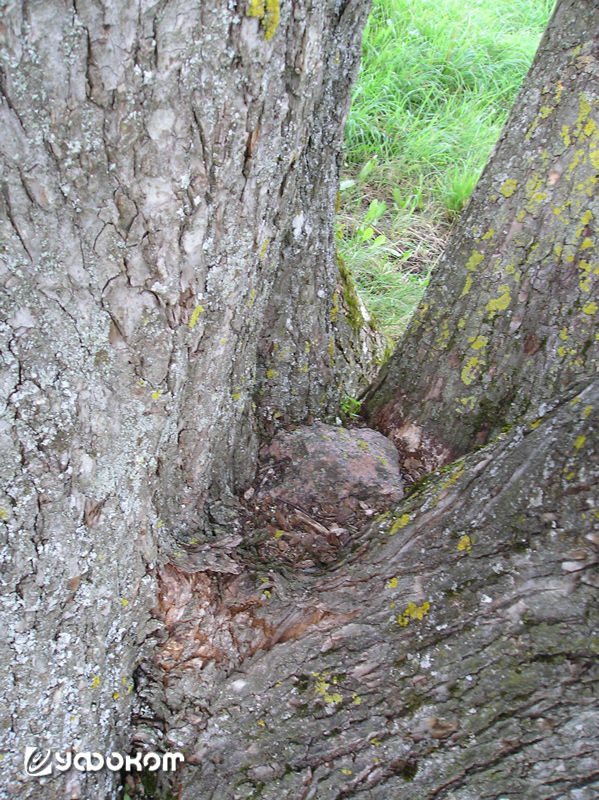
[[399, 523], [269, 12], [508, 187], [195, 316], [413, 612]]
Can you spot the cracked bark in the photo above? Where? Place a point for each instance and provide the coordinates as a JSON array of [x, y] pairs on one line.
[[168, 183], [509, 318], [174, 181], [452, 653]]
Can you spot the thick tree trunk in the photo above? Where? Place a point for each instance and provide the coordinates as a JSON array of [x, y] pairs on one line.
[[452, 654], [169, 173], [510, 317]]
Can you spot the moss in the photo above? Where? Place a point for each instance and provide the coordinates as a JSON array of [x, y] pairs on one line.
[[302, 683], [350, 295], [409, 770]]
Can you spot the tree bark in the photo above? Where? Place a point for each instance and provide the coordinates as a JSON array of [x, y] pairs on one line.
[[451, 654], [510, 317], [169, 173]]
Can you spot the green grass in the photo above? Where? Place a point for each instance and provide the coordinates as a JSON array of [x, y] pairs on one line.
[[436, 84]]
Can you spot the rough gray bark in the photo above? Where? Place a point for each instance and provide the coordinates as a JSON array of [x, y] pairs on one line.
[[169, 172], [452, 654], [510, 316]]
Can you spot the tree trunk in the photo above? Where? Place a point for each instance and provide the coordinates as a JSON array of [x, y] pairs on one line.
[[171, 290], [509, 319], [170, 287], [451, 654]]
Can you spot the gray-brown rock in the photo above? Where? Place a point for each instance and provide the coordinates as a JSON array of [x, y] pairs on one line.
[[327, 468]]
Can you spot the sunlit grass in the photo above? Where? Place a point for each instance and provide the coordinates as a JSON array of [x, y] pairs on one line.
[[436, 84]]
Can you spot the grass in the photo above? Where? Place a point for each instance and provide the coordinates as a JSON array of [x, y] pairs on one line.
[[435, 87]]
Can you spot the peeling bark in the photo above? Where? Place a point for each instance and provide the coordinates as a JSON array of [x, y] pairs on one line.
[[510, 317], [451, 654]]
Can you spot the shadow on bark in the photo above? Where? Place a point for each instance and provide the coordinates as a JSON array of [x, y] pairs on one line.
[[451, 654]]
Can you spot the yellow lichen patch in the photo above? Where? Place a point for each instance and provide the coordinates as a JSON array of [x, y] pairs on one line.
[[268, 11], [584, 110], [124, 602], [478, 342], [346, 771], [586, 218], [468, 373], [335, 308], [563, 334], [270, 374], [399, 523], [585, 285], [502, 302], [590, 308], [465, 543], [467, 285], [413, 612], [392, 583], [474, 260], [489, 234], [322, 686], [536, 423], [357, 700], [257, 8], [587, 244], [237, 396], [579, 442], [271, 20], [586, 413], [565, 134], [443, 336], [264, 248], [3, 513], [95, 682], [252, 299], [116, 695], [454, 475], [579, 158], [193, 320], [508, 187], [561, 351]]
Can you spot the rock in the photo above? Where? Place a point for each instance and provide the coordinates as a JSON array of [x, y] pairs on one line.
[[322, 468]]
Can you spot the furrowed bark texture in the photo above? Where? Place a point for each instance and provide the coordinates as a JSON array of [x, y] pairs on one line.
[[169, 173], [510, 317], [452, 654]]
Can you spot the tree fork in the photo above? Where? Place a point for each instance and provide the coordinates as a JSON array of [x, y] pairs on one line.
[[452, 654]]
